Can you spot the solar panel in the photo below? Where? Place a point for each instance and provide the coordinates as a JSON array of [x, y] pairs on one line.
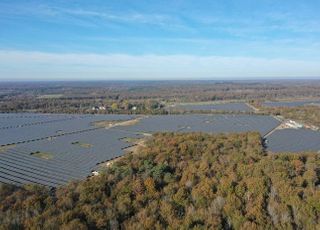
[[230, 107], [290, 103], [71, 146], [294, 140]]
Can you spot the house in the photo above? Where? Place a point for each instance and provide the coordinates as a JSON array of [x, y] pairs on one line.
[[97, 108]]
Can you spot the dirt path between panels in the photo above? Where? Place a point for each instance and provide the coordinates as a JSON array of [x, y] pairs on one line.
[[110, 124]]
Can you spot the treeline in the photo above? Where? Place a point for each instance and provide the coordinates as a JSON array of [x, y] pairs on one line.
[[82, 106], [80, 97], [180, 181], [307, 114]]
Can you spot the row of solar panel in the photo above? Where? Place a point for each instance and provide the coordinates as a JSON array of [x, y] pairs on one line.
[[75, 152], [26, 118], [230, 107], [290, 103], [49, 129], [68, 162], [294, 140], [211, 123], [8, 120]]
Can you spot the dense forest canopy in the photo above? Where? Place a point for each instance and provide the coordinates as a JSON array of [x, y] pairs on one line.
[[180, 181]]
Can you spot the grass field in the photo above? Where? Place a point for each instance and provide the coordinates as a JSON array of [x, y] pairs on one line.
[[81, 144], [43, 155]]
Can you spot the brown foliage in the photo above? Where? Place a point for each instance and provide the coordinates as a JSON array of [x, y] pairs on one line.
[[198, 181]]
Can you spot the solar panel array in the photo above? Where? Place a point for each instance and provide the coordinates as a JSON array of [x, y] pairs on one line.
[[230, 107], [66, 125], [211, 123], [290, 103], [24, 134], [294, 140], [73, 147], [69, 161]]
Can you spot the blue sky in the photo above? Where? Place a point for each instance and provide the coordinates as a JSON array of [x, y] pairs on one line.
[[45, 40]]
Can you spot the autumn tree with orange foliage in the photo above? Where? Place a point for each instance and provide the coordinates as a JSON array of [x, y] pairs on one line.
[[180, 181]]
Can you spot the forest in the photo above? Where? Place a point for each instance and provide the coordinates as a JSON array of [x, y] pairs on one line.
[[179, 181], [145, 97], [309, 115]]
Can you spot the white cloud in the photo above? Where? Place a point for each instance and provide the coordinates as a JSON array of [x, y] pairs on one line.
[[49, 66], [88, 17]]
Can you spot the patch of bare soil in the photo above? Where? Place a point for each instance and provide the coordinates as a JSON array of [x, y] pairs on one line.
[[109, 124], [5, 148]]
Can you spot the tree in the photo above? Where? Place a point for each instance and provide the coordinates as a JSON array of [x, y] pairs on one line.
[[114, 106]]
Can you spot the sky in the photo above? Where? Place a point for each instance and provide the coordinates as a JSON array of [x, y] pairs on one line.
[[145, 39]]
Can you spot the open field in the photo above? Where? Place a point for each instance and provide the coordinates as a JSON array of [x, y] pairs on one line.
[[43, 155]]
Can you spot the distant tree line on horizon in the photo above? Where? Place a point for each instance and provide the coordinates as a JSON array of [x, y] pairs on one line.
[[143, 97]]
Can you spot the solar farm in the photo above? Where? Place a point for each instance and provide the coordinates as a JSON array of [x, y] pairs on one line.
[[290, 103], [294, 140], [54, 149], [229, 107], [211, 123]]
